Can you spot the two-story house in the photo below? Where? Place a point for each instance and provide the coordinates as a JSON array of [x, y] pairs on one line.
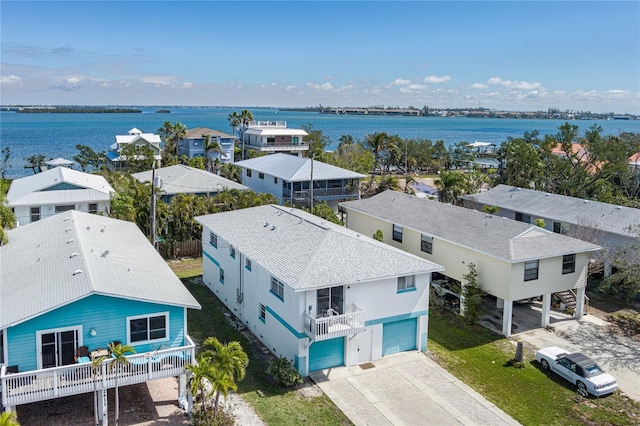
[[514, 261], [608, 225], [70, 285], [289, 178], [57, 190], [118, 162], [269, 137], [315, 292], [192, 145]]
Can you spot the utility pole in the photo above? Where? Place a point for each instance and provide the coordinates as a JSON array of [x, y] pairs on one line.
[[152, 235]]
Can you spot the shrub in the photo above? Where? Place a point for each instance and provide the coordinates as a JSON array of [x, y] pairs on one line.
[[206, 418], [284, 372]]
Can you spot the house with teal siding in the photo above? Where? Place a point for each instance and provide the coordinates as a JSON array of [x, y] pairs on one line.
[[70, 285], [315, 292]]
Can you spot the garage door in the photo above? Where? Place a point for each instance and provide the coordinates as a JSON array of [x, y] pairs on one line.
[[326, 354], [399, 336]]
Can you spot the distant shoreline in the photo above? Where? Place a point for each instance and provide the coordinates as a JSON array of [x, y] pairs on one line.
[[56, 110]]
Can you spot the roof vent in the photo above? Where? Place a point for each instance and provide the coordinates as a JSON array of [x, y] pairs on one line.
[[106, 252], [619, 207], [585, 201], [273, 227], [265, 224], [74, 254], [102, 230], [66, 219], [88, 228], [77, 272], [67, 230], [70, 240]]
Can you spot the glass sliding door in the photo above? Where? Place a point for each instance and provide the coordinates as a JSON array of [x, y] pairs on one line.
[[58, 347]]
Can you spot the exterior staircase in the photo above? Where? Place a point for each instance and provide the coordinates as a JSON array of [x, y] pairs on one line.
[[569, 298]]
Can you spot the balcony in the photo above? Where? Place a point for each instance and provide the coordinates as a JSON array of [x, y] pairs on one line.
[[49, 383], [330, 327]]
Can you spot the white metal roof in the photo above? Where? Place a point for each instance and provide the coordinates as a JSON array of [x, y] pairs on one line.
[[607, 217], [72, 255], [275, 131], [292, 168], [35, 189], [59, 162], [308, 252], [496, 236], [181, 179]]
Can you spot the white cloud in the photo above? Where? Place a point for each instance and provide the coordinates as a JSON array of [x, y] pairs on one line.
[[511, 84], [479, 86], [434, 79], [324, 86], [399, 82], [290, 88], [11, 80]]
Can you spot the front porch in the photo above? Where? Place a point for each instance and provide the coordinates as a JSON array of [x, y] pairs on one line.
[[334, 326], [40, 385]]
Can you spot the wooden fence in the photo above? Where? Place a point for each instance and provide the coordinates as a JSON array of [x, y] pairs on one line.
[[179, 249]]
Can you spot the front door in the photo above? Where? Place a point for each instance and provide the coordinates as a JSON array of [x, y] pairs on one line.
[[58, 347], [329, 301]]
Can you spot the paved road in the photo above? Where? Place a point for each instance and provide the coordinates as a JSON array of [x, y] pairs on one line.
[[406, 389]]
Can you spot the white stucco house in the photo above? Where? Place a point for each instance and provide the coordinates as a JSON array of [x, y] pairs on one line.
[[57, 190], [182, 179], [193, 144], [613, 226], [117, 162], [269, 137], [514, 260], [288, 178], [315, 292]]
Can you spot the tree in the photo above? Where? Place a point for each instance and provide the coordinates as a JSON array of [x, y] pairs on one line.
[[377, 143], [96, 363], [490, 209], [35, 163], [234, 121], [7, 220], [172, 134], [119, 358], [472, 295], [88, 157], [231, 171], [317, 141], [138, 158], [450, 186], [245, 118], [5, 154], [9, 418], [211, 147], [378, 236], [201, 372], [352, 156], [323, 210], [229, 364]]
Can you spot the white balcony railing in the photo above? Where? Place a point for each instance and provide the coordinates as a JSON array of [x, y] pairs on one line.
[[40, 385], [330, 327]]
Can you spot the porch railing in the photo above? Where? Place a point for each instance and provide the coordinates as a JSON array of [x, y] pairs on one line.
[[49, 383], [330, 327]]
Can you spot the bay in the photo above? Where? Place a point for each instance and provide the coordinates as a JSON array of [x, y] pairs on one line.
[[56, 135]]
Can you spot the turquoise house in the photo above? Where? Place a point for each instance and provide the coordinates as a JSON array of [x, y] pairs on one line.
[[70, 285]]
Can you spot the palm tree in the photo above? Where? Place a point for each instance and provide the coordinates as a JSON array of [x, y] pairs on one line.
[[211, 148], [201, 371], [377, 144], [234, 121], [246, 117], [231, 171], [119, 357], [8, 418], [95, 365], [229, 363], [7, 220], [450, 186]]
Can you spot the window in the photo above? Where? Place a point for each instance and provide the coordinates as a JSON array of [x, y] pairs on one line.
[[275, 180], [35, 214], [261, 175], [277, 288], [93, 208], [561, 228], [222, 275], [295, 140], [531, 270], [247, 263], [568, 264], [426, 244], [271, 140], [248, 172], [148, 328], [263, 313], [407, 283], [213, 239], [232, 251], [60, 209], [521, 217], [397, 233]]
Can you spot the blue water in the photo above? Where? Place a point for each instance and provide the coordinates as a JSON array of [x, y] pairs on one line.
[[56, 135]]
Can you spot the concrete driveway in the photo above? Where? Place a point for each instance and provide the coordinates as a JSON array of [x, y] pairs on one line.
[[406, 389]]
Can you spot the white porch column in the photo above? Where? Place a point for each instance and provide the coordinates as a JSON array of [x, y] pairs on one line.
[[462, 298], [185, 399], [507, 313], [546, 310], [103, 412], [499, 303], [580, 308]]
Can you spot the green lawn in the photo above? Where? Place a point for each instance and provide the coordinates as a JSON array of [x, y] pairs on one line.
[[531, 396]]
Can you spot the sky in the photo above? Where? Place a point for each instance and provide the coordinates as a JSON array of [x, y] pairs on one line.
[[504, 55]]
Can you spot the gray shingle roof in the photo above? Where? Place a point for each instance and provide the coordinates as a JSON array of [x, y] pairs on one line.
[[181, 179], [496, 236], [308, 252], [201, 132], [608, 217], [32, 190], [296, 169], [64, 258]]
